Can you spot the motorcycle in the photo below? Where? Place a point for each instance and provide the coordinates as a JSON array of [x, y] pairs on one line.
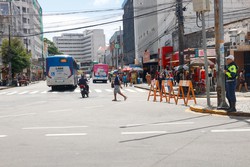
[[84, 91]]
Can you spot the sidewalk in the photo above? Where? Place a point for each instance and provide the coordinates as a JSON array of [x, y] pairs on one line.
[[242, 105]]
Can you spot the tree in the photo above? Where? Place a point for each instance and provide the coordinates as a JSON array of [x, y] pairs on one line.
[[52, 49], [16, 54]]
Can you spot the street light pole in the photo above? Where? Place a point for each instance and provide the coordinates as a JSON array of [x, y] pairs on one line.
[[219, 47]]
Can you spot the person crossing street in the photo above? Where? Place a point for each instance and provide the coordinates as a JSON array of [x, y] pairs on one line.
[[117, 86]]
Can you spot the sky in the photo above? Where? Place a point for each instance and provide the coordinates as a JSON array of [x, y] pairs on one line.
[[56, 15]]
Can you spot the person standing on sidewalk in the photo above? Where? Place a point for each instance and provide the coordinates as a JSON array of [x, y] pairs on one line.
[[242, 81], [117, 86], [231, 76]]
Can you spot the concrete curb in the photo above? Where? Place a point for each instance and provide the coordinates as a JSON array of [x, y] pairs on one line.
[[201, 109]]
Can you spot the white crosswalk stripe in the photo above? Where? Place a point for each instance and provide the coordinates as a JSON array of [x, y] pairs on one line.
[[130, 90], [140, 90], [11, 93], [32, 92], [22, 93], [109, 90]]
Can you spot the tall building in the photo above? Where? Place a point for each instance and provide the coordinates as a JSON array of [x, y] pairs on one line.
[[146, 28], [83, 46], [32, 26], [24, 17], [128, 32], [116, 50]]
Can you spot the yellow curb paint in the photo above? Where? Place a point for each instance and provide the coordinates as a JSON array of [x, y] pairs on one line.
[[218, 112]]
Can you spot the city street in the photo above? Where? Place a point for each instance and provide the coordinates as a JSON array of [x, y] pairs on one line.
[[43, 128]]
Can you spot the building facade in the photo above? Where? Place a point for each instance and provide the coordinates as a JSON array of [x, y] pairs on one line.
[[83, 46], [24, 17], [128, 32], [116, 49]]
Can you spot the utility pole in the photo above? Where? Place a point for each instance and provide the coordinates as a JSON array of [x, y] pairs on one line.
[[204, 41], [179, 12], [219, 47], [121, 48], [9, 49]]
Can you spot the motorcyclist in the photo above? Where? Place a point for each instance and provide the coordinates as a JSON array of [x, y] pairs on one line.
[[84, 81]]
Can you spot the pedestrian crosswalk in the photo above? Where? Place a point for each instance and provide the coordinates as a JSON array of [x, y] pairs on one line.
[[33, 92]]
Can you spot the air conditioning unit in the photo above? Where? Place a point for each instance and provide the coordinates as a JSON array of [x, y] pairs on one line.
[[201, 5]]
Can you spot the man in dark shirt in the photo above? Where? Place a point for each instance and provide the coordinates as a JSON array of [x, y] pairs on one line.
[[83, 81]]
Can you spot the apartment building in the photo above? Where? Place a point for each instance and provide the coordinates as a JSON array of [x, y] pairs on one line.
[[24, 19], [83, 46], [31, 22]]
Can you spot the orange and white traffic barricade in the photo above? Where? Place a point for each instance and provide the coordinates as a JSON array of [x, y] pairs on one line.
[[190, 94]]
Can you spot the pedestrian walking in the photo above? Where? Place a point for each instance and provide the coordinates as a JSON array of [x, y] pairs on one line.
[[117, 87], [124, 80], [231, 76], [242, 81]]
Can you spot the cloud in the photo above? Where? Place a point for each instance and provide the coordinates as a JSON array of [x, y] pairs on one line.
[[105, 2]]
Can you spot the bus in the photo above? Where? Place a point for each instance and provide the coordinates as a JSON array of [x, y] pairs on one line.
[[100, 73], [61, 71]]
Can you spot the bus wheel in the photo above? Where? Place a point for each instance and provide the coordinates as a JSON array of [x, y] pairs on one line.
[[53, 88]]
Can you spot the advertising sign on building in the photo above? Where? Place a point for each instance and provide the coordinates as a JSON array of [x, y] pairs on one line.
[[146, 56]]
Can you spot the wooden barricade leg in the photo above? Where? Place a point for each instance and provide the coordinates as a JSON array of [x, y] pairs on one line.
[[190, 90], [163, 92], [171, 93], [149, 94], [181, 84]]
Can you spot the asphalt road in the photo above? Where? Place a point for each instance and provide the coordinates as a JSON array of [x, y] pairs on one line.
[[40, 128]]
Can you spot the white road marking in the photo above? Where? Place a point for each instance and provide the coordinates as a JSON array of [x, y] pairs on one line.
[[55, 111], [11, 93], [158, 124], [34, 92], [174, 123], [2, 93], [98, 90], [140, 90], [144, 132], [22, 93], [63, 127], [66, 134], [54, 92], [230, 130], [44, 92], [2, 136], [130, 90], [109, 90], [27, 114]]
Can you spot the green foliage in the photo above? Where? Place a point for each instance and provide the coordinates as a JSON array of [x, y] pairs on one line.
[[16, 53], [52, 49]]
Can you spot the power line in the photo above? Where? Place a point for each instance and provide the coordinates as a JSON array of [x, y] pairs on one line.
[[99, 24]]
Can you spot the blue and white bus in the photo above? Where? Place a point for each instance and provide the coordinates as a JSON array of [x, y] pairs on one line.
[[61, 71]]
